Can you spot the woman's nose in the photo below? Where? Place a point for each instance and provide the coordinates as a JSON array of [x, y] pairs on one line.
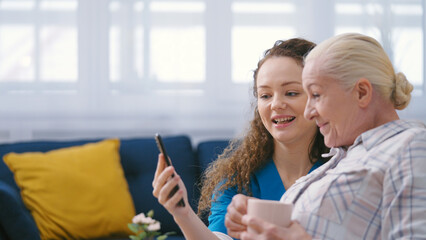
[[278, 103], [310, 111]]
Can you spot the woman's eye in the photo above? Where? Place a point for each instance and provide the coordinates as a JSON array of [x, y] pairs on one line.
[[264, 96], [315, 95], [292, 94]]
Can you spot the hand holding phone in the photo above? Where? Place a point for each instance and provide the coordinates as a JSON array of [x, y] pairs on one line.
[[162, 149]]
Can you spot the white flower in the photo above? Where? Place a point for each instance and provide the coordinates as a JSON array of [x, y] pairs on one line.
[[144, 226], [142, 219], [154, 227]]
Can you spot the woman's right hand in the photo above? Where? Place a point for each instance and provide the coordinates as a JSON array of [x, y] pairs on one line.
[[233, 218], [164, 183]]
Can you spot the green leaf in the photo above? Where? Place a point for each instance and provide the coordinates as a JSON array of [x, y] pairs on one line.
[[133, 227], [134, 237], [144, 227], [169, 233], [162, 237], [142, 235], [150, 213]]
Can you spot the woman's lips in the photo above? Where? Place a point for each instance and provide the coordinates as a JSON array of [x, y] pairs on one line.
[[322, 127], [283, 121]]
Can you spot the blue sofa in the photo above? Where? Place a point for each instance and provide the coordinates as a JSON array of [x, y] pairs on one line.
[[16, 221]]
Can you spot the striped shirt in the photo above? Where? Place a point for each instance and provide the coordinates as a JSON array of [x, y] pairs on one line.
[[375, 189]]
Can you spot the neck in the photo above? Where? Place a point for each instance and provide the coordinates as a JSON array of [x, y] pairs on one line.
[[379, 112], [386, 116], [382, 112], [292, 161]]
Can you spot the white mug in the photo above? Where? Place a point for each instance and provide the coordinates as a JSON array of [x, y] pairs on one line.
[[274, 212]]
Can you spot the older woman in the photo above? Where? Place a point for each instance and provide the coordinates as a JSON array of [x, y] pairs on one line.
[[374, 187]]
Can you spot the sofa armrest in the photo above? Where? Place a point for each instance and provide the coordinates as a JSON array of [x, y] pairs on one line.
[[15, 220]]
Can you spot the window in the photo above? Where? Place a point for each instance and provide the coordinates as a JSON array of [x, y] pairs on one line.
[[161, 41], [76, 67], [256, 26], [38, 43]]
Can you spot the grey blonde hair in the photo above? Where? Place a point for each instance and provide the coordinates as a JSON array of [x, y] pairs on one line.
[[351, 56]]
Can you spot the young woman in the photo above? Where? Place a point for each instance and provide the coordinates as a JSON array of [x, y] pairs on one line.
[[279, 147]]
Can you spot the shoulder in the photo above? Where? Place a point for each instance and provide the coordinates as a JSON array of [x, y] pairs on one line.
[[405, 152], [395, 137], [411, 138]]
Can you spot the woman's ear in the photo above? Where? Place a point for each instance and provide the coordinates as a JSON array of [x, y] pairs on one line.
[[364, 92]]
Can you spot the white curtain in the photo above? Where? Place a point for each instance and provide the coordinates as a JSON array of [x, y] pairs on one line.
[[129, 68]]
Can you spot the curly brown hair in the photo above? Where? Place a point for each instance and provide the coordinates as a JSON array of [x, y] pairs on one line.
[[242, 157]]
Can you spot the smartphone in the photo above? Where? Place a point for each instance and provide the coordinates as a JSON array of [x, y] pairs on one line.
[[162, 149]]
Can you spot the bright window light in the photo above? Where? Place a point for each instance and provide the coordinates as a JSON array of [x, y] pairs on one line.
[[17, 5], [178, 54], [172, 6], [58, 5], [408, 54], [405, 9], [139, 52], [349, 9], [114, 54], [58, 54], [253, 7], [16, 53], [246, 54]]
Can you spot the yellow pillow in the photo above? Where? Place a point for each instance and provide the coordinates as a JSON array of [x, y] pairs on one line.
[[76, 192]]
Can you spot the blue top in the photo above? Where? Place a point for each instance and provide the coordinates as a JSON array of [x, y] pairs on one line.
[[265, 183]]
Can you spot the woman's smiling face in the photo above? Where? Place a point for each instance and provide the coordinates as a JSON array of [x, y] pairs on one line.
[[281, 100], [334, 109]]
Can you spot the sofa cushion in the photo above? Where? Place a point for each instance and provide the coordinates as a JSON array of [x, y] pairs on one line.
[[6, 177], [75, 192], [31, 146]]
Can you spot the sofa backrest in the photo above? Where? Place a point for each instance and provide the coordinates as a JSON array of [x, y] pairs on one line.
[[208, 151], [139, 160]]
